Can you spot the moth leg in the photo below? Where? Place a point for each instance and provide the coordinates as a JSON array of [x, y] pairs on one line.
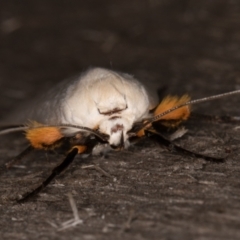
[[171, 146], [19, 157], [56, 171]]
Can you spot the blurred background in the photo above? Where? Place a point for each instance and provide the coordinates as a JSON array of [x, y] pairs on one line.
[[188, 46]]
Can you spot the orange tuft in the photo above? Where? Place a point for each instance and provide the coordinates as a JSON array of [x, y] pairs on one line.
[[80, 148], [141, 133], [177, 115], [43, 137]]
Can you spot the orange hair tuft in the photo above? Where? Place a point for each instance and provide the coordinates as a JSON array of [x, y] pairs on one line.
[[80, 148], [176, 116], [43, 137]]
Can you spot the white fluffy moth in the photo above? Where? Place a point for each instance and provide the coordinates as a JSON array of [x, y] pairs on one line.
[[100, 108]]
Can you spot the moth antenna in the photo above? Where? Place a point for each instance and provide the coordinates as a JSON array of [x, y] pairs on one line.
[[200, 100], [102, 136], [13, 129], [19, 128]]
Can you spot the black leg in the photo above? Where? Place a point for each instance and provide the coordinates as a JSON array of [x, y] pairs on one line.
[[19, 157], [171, 146], [56, 171]]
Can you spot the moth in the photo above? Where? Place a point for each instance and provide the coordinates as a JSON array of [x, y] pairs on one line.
[[101, 109]]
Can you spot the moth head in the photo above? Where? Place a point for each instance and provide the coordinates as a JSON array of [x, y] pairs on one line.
[[117, 129]]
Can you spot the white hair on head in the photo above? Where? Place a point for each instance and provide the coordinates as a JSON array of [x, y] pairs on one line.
[[106, 100], [100, 99]]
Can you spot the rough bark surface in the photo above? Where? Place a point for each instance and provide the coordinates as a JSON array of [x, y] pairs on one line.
[[187, 46]]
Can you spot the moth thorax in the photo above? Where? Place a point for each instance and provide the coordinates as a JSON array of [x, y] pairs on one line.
[[117, 129]]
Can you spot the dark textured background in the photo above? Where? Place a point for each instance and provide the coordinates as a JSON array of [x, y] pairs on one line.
[[188, 46]]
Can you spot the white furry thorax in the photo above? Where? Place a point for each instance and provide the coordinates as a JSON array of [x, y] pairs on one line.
[[108, 101]]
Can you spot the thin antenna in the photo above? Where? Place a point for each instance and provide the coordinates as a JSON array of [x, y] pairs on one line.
[[102, 136], [156, 118], [13, 129]]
